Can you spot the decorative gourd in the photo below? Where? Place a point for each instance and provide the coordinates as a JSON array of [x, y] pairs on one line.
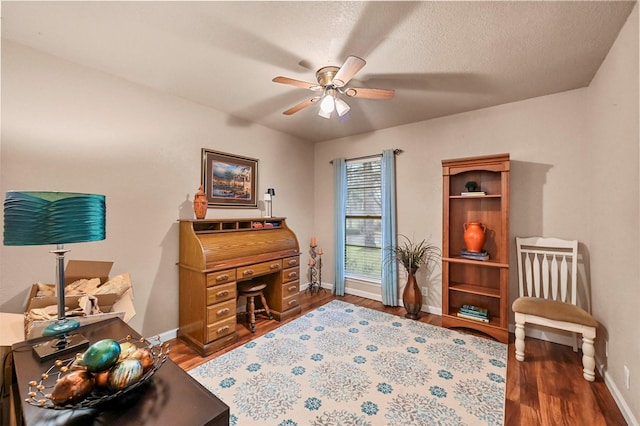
[[101, 356], [124, 374]]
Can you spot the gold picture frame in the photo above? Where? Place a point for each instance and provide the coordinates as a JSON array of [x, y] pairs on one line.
[[229, 180]]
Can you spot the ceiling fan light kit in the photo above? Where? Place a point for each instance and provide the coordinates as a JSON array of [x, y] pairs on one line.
[[331, 102], [341, 107], [324, 114], [332, 81], [328, 103]]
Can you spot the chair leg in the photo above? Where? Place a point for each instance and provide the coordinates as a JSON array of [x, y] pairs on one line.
[[251, 308], [588, 351], [519, 331], [266, 307]]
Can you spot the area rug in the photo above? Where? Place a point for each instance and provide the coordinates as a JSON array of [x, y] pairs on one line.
[[343, 364]]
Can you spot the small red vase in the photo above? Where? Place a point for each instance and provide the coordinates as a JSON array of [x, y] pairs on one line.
[[474, 236], [200, 204]]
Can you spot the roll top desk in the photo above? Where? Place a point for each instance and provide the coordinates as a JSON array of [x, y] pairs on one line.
[[216, 254]]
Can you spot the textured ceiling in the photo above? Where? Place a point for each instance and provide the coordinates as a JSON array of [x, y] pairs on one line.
[[442, 58]]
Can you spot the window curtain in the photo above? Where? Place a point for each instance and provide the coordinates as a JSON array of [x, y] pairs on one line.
[[340, 191], [389, 237]]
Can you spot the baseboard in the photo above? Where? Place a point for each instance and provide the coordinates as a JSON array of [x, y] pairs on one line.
[[617, 395], [168, 335], [365, 294], [531, 330], [326, 286], [436, 310]]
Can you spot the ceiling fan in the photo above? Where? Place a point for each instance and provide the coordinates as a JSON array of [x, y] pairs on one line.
[[332, 83]]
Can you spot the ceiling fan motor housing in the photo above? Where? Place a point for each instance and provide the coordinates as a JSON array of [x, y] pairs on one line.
[[325, 75]]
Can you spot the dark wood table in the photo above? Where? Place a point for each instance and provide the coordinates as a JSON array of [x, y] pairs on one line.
[[171, 396]]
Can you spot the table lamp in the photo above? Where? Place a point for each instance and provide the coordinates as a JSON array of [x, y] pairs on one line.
[[272, 193], [42, 218]]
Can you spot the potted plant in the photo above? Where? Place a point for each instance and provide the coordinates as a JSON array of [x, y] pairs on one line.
[[412, 256], [471, 186]]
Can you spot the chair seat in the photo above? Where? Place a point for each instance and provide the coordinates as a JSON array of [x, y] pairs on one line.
[[554, 310], [250, 288]]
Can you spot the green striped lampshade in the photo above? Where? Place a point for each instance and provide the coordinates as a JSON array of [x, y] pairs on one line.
[[41, 218]]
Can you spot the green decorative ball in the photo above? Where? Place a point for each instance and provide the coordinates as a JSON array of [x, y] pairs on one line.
[[101, 356]]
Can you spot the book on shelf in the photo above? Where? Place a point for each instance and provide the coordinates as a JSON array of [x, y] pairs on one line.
[[472, 317], [474, 255], [475, 309], [473, 194], [475, 315]]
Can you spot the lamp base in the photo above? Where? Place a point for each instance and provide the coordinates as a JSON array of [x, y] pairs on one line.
[[56, 347]]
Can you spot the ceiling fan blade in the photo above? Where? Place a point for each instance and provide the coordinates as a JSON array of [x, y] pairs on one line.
[[300, 106], [351, 66], [361, 92], [298, 83]]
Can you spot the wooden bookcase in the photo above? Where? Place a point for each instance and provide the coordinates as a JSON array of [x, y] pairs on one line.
[[474, 282]]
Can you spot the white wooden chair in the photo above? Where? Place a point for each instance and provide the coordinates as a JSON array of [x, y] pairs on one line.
[[547, 279]]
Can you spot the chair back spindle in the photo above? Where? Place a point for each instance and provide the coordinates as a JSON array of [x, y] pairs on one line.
[[548, 268]]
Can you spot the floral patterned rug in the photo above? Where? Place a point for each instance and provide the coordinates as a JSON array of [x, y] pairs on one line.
[[343, 364]]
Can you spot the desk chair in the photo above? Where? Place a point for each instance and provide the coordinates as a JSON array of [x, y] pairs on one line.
[[251, 291], [547, 280]]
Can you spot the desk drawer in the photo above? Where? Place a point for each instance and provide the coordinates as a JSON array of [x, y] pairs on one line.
[[221, 277], [290, 274], [291, 288], [220, 293], [221, 311], [290, 262], [290, 302], [221, 328], [257, 269]]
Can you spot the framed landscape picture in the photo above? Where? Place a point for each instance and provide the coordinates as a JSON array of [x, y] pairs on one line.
[[229, 180]]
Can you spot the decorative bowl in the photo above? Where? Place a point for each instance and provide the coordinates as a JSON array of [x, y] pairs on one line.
[[40, 390]]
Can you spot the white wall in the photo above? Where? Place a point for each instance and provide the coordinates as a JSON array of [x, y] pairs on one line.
[[69, 128], [544, 136], [575, 175], [615, 211]]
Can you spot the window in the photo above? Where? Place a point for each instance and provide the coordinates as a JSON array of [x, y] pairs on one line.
[[363, 220]]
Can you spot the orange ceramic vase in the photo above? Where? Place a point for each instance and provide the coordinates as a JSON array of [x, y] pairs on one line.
[[200, 204], [474, 236]]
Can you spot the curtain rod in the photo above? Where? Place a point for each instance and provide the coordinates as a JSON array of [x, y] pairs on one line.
[[395, 151]]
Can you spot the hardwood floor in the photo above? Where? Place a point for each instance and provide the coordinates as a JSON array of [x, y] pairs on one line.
[[546, 389]]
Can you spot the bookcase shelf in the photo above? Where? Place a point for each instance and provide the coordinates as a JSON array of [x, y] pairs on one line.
[[476, 282], [474, 289]]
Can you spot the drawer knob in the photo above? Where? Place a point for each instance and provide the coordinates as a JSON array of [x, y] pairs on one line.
[[275, 266], [293, 262], [223, 329], [222, 312], [247, 272], [293, 274], [222, 277], [222, 293], [292, 302], [293, 288]]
